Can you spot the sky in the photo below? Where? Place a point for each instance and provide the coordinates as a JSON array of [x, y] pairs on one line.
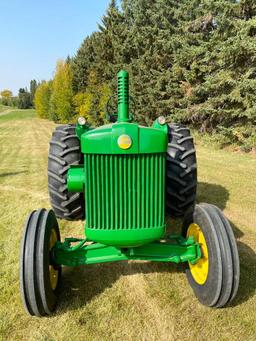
[[35, 34]]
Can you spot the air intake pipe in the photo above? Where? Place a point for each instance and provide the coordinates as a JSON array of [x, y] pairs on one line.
[[123, 96]]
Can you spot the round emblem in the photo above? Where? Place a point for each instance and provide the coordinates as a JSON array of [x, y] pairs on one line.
[[124, 141]]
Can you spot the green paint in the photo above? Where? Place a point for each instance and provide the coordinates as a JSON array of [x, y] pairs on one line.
[[177, 250], [76, 179], [124, 193], [81, 129], [116, 215], [123, 96], [163, 127], [103, 140]]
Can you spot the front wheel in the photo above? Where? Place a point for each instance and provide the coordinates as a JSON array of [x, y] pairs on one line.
[[215, 276], [39, 278]]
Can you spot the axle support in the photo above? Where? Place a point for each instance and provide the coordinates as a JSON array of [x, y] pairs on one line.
[[177, 250]]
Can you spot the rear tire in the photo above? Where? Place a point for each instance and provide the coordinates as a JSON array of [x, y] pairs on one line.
[[64, 151], [220, 283], [181, 171], [39, 279]]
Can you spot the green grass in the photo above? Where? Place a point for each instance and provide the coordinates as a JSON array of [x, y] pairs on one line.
[[129, 300], [17, 114], [3, 108]]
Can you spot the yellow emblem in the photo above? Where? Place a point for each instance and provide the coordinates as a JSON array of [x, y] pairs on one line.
[[124, 141]]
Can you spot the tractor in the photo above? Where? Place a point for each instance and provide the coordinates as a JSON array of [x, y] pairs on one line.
[[123, 179]]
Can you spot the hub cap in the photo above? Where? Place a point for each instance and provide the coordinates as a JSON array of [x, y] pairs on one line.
[[199, 270], [54, 274]]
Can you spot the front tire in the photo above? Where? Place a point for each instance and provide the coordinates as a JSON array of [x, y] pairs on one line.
[[215, 276], [39, 278]]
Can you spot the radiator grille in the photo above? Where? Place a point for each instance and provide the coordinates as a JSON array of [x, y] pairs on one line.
[[125, 191]]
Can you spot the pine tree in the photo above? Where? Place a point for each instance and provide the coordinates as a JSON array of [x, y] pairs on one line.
[[33, 87], [82, 63], [192, 61], [24, 99]]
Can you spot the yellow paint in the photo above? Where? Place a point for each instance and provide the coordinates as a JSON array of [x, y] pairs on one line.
[[199, 270], [124, 141], [54, 274]]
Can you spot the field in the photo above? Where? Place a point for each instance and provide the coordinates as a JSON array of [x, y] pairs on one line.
[[3, 108], [129, 300]]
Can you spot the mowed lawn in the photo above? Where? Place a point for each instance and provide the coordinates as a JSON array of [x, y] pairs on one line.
[[129, 300]]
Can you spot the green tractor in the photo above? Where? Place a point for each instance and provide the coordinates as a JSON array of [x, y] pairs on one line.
[[124, 178]]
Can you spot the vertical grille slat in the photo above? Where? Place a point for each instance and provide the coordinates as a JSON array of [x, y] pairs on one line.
[[105, 164], [138, 208], [129, 168], [147, 211], [125, 191]]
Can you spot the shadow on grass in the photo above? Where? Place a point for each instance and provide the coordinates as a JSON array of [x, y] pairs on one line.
[[213, 194], [247, 285], [82, 284], [11, 173]]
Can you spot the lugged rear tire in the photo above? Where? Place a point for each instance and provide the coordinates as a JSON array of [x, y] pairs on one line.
[[64, 151], [181, 171]]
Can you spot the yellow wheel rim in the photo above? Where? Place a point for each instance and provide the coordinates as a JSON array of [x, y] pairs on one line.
[[199, 270], [54, 274]]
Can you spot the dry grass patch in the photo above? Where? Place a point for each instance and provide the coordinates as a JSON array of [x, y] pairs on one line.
[[129, 300]]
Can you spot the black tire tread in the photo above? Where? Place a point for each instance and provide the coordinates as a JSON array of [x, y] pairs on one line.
[[64, 151], [181, 174], [226, 256], [234, 252], [37, 299], [222, 282]]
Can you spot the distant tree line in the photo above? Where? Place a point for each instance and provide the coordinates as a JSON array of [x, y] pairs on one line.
[[193, 61], [25, 98]]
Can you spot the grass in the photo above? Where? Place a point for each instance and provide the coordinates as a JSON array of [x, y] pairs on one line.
[[3, 108], [17, 114], [129, 300]]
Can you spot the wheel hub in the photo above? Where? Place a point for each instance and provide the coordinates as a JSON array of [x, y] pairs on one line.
[[199, 270], [54, 274]]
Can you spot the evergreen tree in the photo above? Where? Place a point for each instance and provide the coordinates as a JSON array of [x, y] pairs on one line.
[[192, 61], [33, 87], [82, 63], [24, 99]]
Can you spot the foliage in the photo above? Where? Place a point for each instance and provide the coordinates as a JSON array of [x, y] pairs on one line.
[[42, 99], [91, 103], [7, 98], [61, 107], [24, 100], [6, 93], [191, 61], [33, 87]]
